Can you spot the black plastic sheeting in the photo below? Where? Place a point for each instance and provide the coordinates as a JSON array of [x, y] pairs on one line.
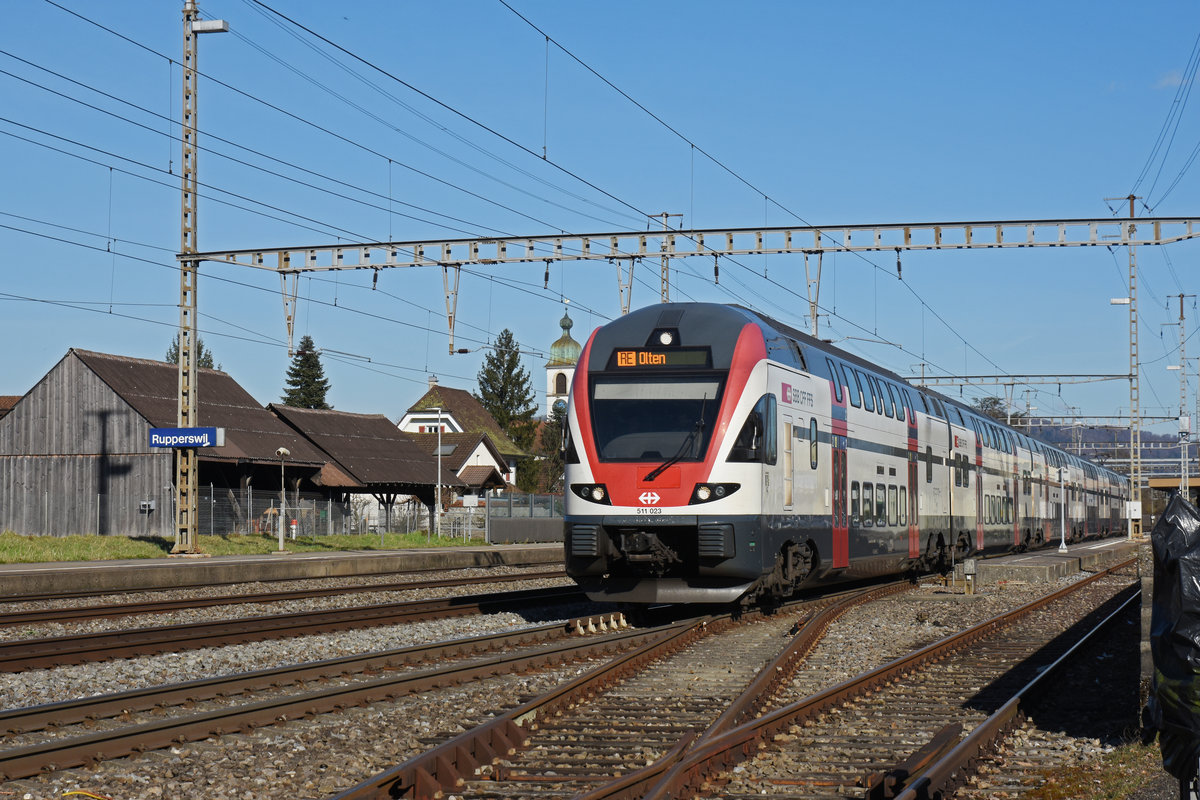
[[1174, 705]]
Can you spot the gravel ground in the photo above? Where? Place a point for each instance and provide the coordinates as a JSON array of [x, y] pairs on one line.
[[317, 758]]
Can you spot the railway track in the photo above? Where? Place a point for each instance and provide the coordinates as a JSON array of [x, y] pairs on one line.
[[898, 731], [642, 706], [64, 743], [869, 737], [110, 611], [20, 655]]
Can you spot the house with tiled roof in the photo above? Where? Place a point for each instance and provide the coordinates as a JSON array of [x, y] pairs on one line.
[[7, 401], [471, 456], [460, 412]]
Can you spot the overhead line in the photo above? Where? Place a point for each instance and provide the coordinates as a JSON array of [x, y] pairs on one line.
[[449, 108]]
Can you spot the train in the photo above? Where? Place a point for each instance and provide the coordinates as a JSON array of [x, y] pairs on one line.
[[715, 455]]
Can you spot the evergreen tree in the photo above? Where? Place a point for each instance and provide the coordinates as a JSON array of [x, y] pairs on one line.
[[204, 355], [506, 392], [306, 383]]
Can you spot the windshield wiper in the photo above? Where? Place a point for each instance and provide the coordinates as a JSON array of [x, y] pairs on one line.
[[688, 444]]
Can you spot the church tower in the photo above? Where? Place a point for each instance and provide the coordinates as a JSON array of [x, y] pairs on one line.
[[564, 355]]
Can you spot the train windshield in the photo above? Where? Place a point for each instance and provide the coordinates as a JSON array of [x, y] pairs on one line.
[[647, 420]]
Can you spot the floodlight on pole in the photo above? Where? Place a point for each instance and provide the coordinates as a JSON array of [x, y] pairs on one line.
[[1062, 544], [439, 475], [283, 453]]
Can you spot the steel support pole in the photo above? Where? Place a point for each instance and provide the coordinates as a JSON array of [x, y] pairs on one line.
[[186, 471]]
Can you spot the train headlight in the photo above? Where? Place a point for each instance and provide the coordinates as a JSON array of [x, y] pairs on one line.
[[707, 492], [592, 492], [665, 337]]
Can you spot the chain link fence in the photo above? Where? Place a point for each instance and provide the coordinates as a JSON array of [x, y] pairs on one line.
[[507, 517]]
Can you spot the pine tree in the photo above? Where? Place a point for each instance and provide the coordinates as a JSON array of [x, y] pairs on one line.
[[506, 392], [204, 357], [306, 383]]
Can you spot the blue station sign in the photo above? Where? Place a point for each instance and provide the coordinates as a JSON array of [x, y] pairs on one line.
[[187, 437]]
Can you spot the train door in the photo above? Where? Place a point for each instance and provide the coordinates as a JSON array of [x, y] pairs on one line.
[[789, 462], [935, 485], [914, 522], [959, 445], [841, 522], [839, 555]]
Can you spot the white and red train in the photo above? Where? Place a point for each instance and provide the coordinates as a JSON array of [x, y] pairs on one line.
[[714, 454]]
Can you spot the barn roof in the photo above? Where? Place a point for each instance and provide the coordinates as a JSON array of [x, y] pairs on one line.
[[368, 448], [151, 388]]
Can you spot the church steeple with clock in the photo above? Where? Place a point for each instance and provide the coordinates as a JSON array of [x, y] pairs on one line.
[[564, 355]]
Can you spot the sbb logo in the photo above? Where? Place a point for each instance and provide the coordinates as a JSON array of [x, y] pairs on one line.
[[649, 498]]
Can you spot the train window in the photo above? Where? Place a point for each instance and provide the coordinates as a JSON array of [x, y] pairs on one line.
[[853, 391], [887, 401], [966, 471], [813, 451], [771, 443], [868, 504], [903, 506], [880, 505], [1008, 510], [854, 502], [893, 507], [758, 438], [643, 419], [896, 409], [835, 379], [957, 470], [928, 464], [868, 395], [937, 407], [570, 454]]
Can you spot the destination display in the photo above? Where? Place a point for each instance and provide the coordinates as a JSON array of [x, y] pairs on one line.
[[675, 357]]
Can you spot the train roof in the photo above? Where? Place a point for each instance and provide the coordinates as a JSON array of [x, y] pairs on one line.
[[813, 343]]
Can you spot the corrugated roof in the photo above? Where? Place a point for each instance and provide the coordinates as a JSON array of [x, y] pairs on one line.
[[470, 414], [151, 388], [369, 448]]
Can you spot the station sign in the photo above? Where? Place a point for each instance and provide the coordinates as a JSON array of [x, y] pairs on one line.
[[187, 437]]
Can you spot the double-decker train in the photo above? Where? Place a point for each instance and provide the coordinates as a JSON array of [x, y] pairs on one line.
[[714, 454]]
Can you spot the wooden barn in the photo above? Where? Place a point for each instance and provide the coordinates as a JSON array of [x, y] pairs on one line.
[[75, 455]]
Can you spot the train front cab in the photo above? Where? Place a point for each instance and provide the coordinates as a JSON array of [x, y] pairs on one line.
[[664, 490]]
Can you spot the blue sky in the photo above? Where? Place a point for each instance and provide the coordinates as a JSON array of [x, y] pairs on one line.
[[888, 113]]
